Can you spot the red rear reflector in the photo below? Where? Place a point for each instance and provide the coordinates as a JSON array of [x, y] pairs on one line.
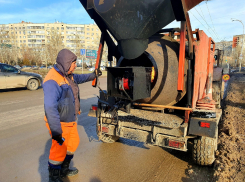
[[204, 125], [94, 108], [105, 129], [125, 83], [175, 144]]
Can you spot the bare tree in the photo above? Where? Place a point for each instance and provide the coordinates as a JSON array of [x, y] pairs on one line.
[[52, 47], [9, 51], [236, 55]]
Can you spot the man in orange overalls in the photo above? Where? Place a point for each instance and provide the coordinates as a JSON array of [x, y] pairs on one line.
[[62, 104]]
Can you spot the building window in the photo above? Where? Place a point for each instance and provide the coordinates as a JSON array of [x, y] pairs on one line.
[[20, 37], [62, 28], [57, 28], [88, 29], [87, 33], [20, 32]]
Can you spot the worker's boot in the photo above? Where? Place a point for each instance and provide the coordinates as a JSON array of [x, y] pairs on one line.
[[54, 174], [65, 171]]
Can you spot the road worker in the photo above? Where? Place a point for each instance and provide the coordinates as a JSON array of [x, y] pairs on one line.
[[62, 104]]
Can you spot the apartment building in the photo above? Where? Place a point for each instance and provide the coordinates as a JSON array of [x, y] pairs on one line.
[[36, 35], [238, 40]]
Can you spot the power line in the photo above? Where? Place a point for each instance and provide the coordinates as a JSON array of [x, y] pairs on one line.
[[201, 10], [214, 33], [205, 18], [204, 26], [210, 17]]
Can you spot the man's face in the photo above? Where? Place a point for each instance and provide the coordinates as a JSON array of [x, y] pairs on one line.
[[72, 68]]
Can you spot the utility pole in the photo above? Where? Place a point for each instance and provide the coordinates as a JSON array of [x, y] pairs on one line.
[[241, 56]]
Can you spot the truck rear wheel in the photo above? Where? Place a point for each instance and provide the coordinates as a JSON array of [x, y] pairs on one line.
[[203, 152], [105, 138]]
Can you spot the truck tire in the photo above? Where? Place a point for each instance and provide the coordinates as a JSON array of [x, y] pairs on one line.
[[32, 84], [105, 138], [203, 152]]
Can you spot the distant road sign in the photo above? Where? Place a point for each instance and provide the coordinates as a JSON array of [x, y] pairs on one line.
[[226, 77], [241, 56], [92, 54], [82, 52]]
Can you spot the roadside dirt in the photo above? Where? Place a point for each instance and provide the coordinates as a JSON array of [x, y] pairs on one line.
[[230, 161], [229, 165]]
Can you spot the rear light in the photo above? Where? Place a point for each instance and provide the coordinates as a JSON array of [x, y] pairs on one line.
[[104, 129], [124, 84], [176, 144], [204, 125], [94, 108]]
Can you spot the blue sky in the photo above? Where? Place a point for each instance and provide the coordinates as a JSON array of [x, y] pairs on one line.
[[219, 26]]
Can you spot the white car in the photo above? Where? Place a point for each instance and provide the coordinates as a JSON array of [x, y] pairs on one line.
[[91, 69]]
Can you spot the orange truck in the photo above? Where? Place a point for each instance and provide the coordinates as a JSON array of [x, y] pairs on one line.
[[164, 89]]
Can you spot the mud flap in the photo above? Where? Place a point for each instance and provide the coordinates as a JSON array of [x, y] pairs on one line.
[[203, 127], [93, 111]]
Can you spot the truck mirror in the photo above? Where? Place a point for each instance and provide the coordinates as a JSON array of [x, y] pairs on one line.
[[215, 57]]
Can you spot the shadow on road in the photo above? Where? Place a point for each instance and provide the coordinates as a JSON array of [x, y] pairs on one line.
[[15, 89], [95, 180], [43, 163], [193, 171], [89, 125]]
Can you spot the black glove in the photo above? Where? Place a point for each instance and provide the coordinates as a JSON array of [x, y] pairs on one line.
[[98, 72], [59, 139]]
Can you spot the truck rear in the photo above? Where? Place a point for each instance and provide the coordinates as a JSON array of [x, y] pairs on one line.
[[163, 90]]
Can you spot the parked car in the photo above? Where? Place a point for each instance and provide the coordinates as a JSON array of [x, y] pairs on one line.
[[91, 69], [50, 67], [17, 66], [26, 67], [35, 67], [11, 77], [102, 68], [42, 67]]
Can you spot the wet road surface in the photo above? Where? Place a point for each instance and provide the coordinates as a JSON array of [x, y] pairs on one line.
[[25, 144]]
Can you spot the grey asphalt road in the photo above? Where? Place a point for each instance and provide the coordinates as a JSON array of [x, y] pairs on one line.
[[25, 144]]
